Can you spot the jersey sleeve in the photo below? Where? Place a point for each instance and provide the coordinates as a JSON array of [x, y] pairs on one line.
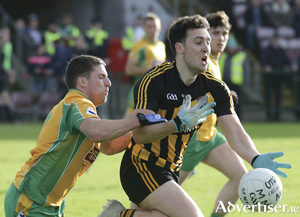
[[146, 92], [223, 99], [80, 110]]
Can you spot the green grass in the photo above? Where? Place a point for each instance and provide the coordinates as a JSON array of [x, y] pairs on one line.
[[102, 181]]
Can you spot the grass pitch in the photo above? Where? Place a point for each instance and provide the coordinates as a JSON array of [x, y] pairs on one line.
[[102, 182]]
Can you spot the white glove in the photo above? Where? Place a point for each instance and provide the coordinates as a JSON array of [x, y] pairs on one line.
[[188, 117]]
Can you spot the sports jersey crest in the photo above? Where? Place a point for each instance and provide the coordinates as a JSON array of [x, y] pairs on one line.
[[92, 155], [21, 214], [90, 111]]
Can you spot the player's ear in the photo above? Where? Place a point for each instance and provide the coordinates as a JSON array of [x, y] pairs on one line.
[[82, 81], [179, 48]]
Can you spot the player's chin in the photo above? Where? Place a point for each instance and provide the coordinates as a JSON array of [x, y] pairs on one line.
[[203, 67]]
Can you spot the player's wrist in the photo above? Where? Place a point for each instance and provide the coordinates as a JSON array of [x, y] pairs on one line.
[[150, 119], [141, 117], [178, 124], [254, 159]]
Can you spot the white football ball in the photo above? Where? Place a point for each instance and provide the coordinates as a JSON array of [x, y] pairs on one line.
[[261, 186]]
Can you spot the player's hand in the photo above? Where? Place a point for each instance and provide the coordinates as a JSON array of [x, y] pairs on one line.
[[188, 117], [267, 161], [150, 119]]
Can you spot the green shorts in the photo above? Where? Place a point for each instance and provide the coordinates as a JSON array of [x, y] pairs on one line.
[[35, 210], [196, 150]]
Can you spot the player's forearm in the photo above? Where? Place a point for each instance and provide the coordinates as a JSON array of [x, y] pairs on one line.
[[100, 130], [113, 129], [148, 134], [237, 137], [243, 145]]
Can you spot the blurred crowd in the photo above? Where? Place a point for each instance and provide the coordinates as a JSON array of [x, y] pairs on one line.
[[270, 30], [50, 51], [62, 40]]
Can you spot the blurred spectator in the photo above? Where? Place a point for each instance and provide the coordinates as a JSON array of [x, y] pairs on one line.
[[68, 30], [145, 54], [97, 38], [235, 70], [51, 36], [20, 25], [33, 31], [276, 63], [255, 16], [59, 63], [281, 13], [7, 76], [133, 33], [80, 47], [39, 68], [296, 21]]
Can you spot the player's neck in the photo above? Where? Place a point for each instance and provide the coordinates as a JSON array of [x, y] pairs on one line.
[[186, 75], [216, 55]]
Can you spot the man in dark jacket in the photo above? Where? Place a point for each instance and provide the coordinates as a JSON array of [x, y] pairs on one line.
[[275, 63]]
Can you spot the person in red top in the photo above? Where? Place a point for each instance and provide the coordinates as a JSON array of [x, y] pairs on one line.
[[39, 68]]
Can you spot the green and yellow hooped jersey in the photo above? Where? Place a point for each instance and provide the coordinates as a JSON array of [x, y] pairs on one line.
[[62, 153]]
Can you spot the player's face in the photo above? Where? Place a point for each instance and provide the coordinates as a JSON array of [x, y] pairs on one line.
[[98, 85], [219, 37], [152, 29], [197, 50]]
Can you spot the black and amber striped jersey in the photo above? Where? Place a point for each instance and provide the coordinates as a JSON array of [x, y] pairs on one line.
[[162, 91]]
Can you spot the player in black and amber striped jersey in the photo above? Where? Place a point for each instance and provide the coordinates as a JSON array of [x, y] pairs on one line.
[[149, 168], [151, 163], [156, 92]]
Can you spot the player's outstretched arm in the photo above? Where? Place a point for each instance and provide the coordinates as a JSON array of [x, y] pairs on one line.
[[102, 130], [120, 144], [187, 118], [243, 145]]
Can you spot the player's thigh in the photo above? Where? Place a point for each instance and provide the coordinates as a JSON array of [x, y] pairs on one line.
[[171, 200], [224, 159]]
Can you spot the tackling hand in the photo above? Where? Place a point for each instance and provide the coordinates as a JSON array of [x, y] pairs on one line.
[[188, 117], [267, 161]]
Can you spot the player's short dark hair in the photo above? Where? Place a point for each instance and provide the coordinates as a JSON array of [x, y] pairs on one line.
[[179, 28], [218, 19], [81, 66]]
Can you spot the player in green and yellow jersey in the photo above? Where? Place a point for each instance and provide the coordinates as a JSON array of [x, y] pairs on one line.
[[69, 142], [145, 54]]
